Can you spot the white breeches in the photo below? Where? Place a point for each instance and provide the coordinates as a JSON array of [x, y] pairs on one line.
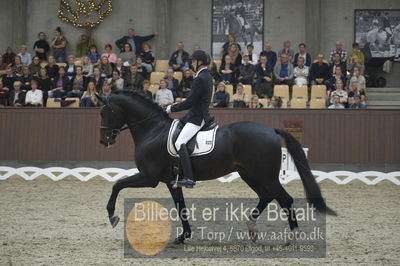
[[188, 131]]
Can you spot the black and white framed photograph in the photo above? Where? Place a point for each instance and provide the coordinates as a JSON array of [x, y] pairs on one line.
[[242, 18], [378, 32]]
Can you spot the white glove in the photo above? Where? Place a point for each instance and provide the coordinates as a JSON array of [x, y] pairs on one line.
[[168, 110]]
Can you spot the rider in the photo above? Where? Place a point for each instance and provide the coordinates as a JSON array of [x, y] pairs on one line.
[[198, 103]]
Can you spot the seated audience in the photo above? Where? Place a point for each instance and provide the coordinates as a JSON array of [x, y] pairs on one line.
[[44, 84], [354, 62], [301, 72], [35, 67], [221, 97], [133, 81], [9, 56], [240, 99], [105, 67], [41, 47], [34, 97], [77, 84], [16, 95], [17, 66], [8, 77], [141, 69], [117, 83], [255, 103], [337, 62], [302, 53], [134, 40], [127, 56], [2, 65], [234, 54], [253, 58], [123, 69], [319, 72], [87, 67], [356, 52], [61, 84], [25, 78], [357, 77], [94, 55], [173, 83], [84, 44], [338, 75], [227, 70], [4, 94], [286, 50], [283, 71], [230, 39], [275, 103], [263, 71], [146, 90], [356, 91], [89, 98], [70, 68], [147, 57], [214, 71], [52, 67], [338, 50], [357, 103], [164, 96], [339, 91], [112, 57], [26, 58], [336, 103], [59, 45], [186, 83], [179, 58], [97, 78], [105, 91], [271, 55], [246, 71]]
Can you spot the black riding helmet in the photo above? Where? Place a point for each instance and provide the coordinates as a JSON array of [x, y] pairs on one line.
[[201, 55]]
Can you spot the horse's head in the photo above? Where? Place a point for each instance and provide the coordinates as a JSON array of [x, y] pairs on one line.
[[112, 120]]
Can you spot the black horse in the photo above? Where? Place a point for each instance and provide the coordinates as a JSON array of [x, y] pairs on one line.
[[251, 149]]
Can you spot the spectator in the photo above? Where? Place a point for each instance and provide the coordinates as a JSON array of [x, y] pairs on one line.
[[147, 57], [271, 55], [227, 70], [9, 56], [2, 66], [301, 72], [354, 62], [112, 57], [25, 78], [121, 68], [339, 50], [94, 55], [35, 67], [221, 97], [179, 58], [231, 39], [70, 67], [214, 72], [234, 53], [164, 96], [117, 83], [105, 92], [336, 103], [141, 70], [84, 45], [77, 84], [87, 67], [97, 78], [246, 71], [59, 45], [8, 77], [4, 94], [51, 67], [186, 83], [106, 67], [133, 81], [263, 73], [357, 104], [338, 75], [17, 66], [134, 41], [357, 77], [255, 103], [44, 84], [34, 97], [253, 58], [146, 90], [89, 98], [319, 72], [173, 83], [356, 52], [302, 53], [275, 103], [41, 47], [127, 56], [26, 57], [286, 50], [337, 62], [240, 99], [17, 96], [356, 91], [283, 71], [339, 91], [61, 84]]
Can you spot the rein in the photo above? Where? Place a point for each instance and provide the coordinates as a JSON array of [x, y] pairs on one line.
[[115, 131]]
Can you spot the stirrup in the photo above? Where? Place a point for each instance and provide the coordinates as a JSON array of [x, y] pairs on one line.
[[185, 182]]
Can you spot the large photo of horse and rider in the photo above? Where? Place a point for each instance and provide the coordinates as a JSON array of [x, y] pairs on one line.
[[241, 21], [378, 32]]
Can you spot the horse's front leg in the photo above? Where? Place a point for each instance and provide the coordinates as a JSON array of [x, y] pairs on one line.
[[179, 201], [138, 180]]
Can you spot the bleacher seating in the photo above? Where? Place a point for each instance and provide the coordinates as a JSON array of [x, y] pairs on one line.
[[161, 65]]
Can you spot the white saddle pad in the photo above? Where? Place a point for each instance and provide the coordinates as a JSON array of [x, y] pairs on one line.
[[205, 141]]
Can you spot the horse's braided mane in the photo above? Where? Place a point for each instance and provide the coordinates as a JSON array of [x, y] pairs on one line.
[[146, 101]]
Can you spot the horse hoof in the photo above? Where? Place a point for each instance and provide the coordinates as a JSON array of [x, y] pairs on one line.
[[179, 241], [253, 231], [114, 221]]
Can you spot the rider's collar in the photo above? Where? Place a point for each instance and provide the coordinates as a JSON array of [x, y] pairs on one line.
[[198, 72]]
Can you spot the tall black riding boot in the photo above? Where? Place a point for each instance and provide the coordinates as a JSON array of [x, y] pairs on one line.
[[188, 178]]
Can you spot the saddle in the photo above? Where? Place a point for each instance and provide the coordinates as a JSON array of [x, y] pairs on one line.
[[201, 144]]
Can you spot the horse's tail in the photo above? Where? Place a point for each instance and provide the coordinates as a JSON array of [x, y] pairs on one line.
[[311, 187]]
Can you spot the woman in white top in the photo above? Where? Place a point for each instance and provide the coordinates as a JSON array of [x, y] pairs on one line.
[[87, 67], [240, 99], [34, 97]]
